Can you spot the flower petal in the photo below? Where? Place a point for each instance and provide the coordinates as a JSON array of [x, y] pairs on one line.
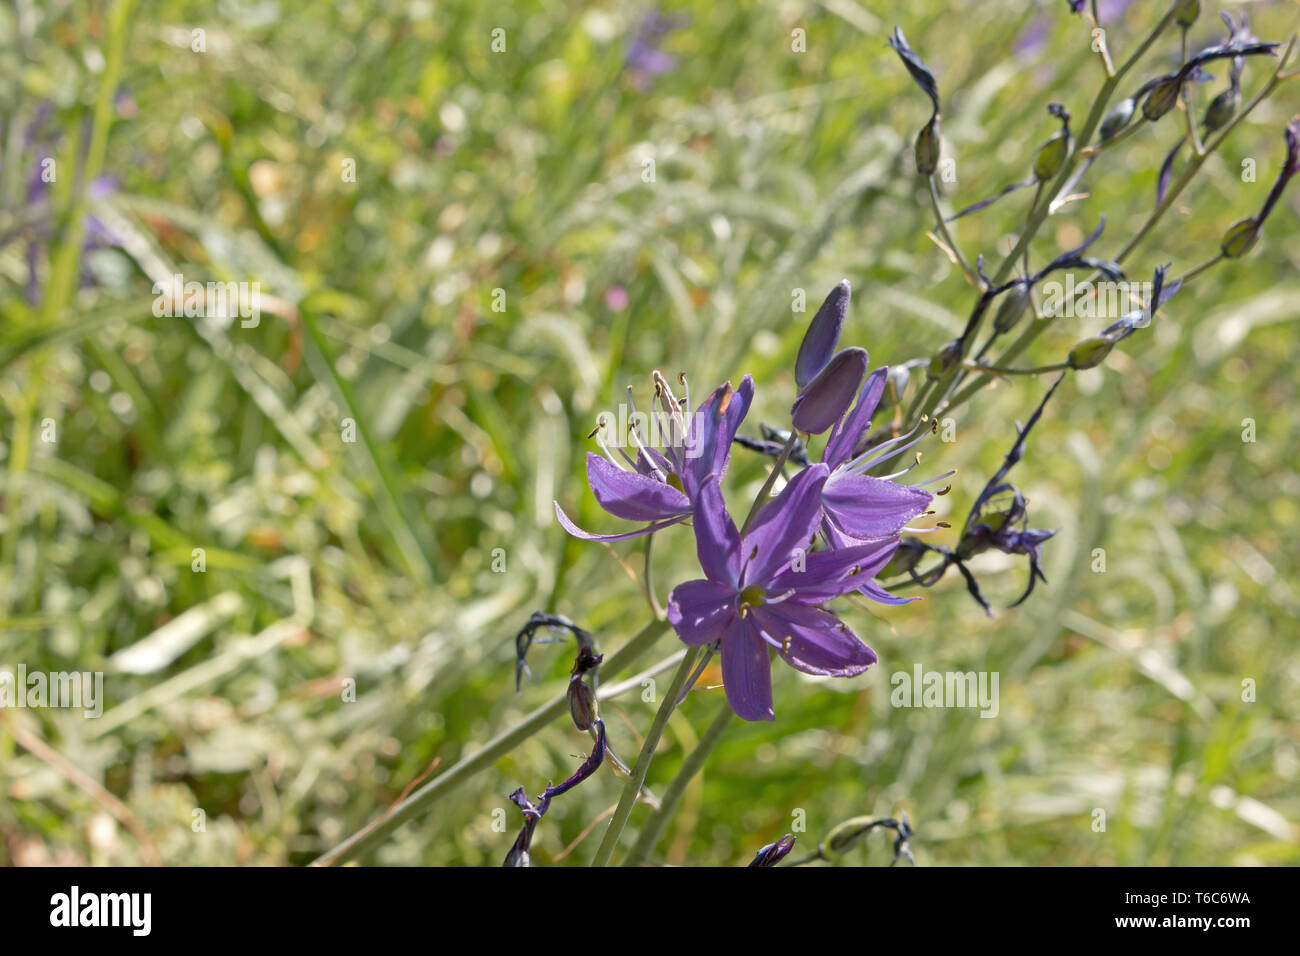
[[577, 532], [717, 542], [625, 494], [844, 436], [863, 506], [819, 642], [747, 672], [712, 431], [700, 611], [823, 335], [784, 526], [826, 398], [828, 574]]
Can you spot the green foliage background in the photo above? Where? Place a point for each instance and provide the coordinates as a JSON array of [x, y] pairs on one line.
[[521, 171]]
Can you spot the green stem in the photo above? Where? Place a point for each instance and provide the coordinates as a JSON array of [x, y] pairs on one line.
[[498, 747], [633, 786], [948, 238], [672, 797]]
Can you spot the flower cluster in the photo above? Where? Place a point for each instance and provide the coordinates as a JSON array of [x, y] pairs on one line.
[[765, 588]]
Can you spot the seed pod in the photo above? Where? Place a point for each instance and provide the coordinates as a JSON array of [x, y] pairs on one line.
[[1090, 352], [1222, 109], [1162, 98], [1240, 239], [1050, 156], [945, 358], [1012, 309], [1186, 12], [927, 148], [1117, 119]]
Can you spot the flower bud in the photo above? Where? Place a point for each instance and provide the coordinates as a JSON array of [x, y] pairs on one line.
[[1162, 98], [1090, 352], [773, 853], [1186, 12], [1240, 239], [828, 396], [927, 148], [823, 335], [1117, 120]]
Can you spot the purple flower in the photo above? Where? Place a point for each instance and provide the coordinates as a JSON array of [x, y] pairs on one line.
[[658, 486], [774, 853], [764, 592], [859, 508]]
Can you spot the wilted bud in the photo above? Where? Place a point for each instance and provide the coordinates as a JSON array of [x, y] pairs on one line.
[[1240, 239], [828, 396], [1186, 12], [823, 335], [773, 853], [1012, 309], [1090, 353], [927, 148], [1117, 119], [582, 699], [945, 358], [1222, 109], [1162, 98]]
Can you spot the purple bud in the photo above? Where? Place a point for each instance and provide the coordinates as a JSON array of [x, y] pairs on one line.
[[773, 853], [822, 336], [828, 396]]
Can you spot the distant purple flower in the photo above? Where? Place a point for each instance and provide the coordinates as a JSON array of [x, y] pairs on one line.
[[645, 60], [658, 486], [763, 592]]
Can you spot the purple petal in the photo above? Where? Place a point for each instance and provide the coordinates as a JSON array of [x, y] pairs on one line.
[[827, 574], [784, 526], [823, 335], [878, 594], [819, 642], [717, 542], [863, 506], [847, 431], [625, 494], [747, 672], [825, 399], [577, 532], [713, 429], [700, 611]]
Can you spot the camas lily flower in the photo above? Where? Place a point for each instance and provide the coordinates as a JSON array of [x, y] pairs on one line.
[[764, 592], [857, 508], [658, 486]]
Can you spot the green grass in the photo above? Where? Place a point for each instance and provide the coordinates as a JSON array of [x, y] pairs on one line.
[[371, 560]]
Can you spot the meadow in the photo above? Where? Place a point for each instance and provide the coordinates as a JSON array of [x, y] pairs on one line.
[[299, 544]]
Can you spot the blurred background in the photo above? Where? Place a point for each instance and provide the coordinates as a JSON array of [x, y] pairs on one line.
[[459, 254]]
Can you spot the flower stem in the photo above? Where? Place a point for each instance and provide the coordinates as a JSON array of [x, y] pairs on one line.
[[375, 833], [633, 785], [942, 226], [672, 797]]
